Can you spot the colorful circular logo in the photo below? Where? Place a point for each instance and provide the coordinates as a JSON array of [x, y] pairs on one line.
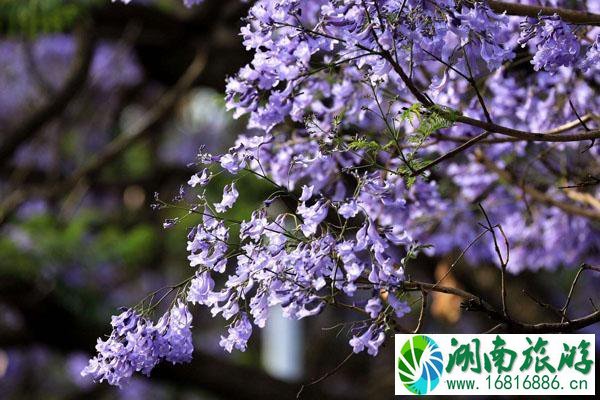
[[420, 364]]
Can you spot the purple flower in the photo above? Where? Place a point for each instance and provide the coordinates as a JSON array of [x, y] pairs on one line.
[[124, 322], [233, 162], [207, 244], [201, 178], [374, 307], [255, 227], [238, 334], [304, 311], [556, 44], [259, 308], [370, 340], [201, 289], [349, 209], [175, 328], [401, 308], [111, 363], [230, 195], [312, 216], [307, 192], [140, 343], [592, 56], [330, 141]]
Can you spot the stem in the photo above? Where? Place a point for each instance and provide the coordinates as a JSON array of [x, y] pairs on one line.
[[476, 303], [568, 15]]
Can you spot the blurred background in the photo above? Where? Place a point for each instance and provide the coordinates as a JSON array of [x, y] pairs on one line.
[[101, 106]]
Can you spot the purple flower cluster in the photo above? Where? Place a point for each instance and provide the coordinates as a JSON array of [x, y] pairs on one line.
[[485, 34], [556, 44], [207, 244], [290, 38], [300, 260], [137, 344], [592, 57], [342, 138], [554, 40]]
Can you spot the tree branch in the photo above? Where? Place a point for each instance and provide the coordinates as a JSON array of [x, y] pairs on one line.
[[536, 194], [524, 135], [486, 126], [567, 15], [145, 124], [582, 268], [46, 318], [55, 105], [112, 149], [451, 153], [475, 303]]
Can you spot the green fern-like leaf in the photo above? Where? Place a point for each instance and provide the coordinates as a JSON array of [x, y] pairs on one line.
[[430, 120], [364, 144]]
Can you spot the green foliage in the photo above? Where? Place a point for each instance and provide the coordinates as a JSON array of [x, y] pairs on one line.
[[34, 17], [15, 262], [406, 170], [137, 161], [365, 144], [430, 120], [425, 120], [410, 112], [133, 247], [88, 240]]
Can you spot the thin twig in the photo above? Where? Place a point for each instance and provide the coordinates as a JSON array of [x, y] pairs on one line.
[[503, 262], [451, 153], [536, 194], [327, 375], [422, 312], [475, 303], [582, 268], [547, 306]]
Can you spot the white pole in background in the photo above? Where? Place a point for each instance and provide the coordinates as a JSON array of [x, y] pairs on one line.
[[282, 347]]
